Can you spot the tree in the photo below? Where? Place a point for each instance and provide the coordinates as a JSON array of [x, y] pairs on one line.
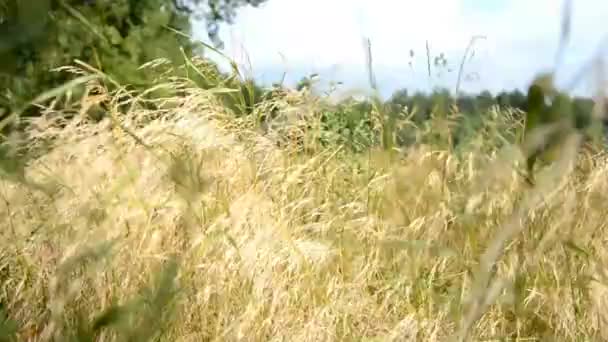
[[485, 101], [114, 36], [214, 12]]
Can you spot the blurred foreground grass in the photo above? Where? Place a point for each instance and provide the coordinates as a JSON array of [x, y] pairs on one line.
[[197, 227]]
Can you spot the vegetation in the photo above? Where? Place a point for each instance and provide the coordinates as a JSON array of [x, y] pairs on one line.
[[199, 227], [114, 37], [201, 207]]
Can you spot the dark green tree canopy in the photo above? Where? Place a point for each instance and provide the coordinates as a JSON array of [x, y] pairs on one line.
[[114, 36]]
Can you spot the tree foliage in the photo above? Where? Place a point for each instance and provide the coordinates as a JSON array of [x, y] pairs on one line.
[[114, 36], [214, 12]]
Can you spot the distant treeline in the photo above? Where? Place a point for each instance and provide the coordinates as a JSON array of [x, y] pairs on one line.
[[404, 117], [469, 104]]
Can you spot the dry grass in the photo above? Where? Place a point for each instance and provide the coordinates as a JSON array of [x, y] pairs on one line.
[[271, 246]]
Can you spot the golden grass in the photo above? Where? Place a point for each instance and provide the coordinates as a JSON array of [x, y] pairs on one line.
[[272, 246]]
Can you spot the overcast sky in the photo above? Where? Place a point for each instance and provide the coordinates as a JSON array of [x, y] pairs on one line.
[[326, 37]]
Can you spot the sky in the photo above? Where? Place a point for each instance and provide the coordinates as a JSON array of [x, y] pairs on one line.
[[519, 38]]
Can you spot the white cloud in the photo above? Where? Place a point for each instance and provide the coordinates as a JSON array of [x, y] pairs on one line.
[[326, 35]]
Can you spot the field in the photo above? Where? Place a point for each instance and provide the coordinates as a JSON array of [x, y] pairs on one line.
[[198, 227]]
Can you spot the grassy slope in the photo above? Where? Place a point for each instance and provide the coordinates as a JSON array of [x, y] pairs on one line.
[[276, 247]]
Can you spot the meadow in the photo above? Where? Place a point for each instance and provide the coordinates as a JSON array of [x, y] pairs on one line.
[[190, 224]]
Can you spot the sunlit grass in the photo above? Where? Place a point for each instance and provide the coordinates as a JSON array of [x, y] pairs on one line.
[[197, 227]]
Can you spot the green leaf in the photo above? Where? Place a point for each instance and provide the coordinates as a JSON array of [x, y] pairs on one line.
[[113, 34], [8, 327]]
